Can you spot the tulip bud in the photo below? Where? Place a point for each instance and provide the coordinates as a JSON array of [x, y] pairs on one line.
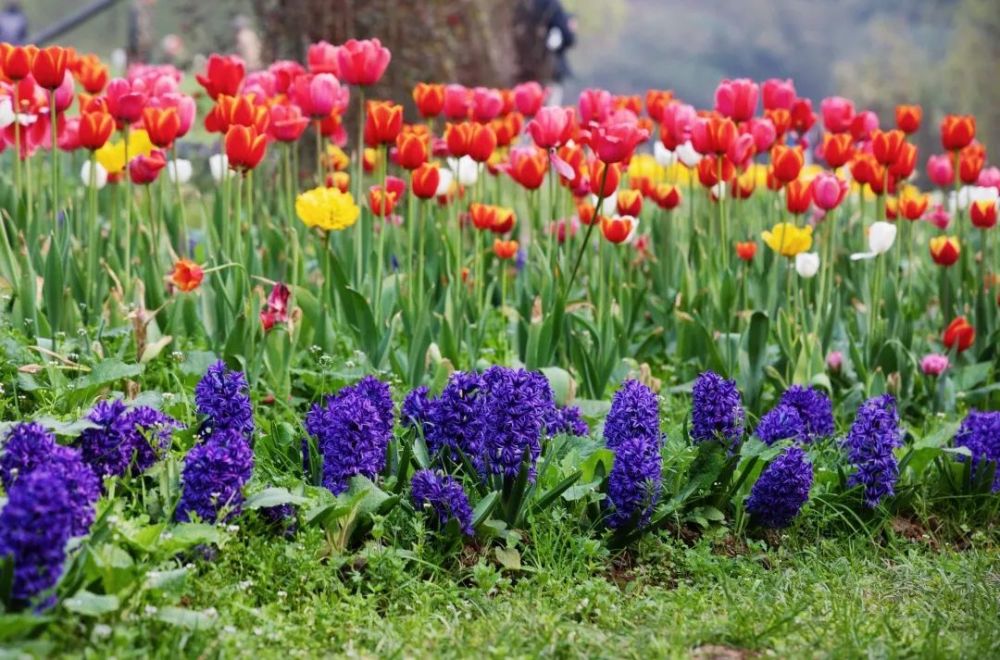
[[807, 264]]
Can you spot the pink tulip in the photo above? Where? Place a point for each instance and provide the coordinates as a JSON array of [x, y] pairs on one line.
[[262, 85], [940, 170], [616, 139], [779, 94], [939, 217], [456, 102], [144, 169], [285, 72], [828, 191], [276, 309], [835, 360], [551, 126], [763, 132], [486, 104], [287, 123], [741, 150], [362, 62], [677, 120], [934, 364], [989, 177], [863, 125], [322, 58], [125, 100], [64, 93], [68, 138], [528, 98], [838, 113], [319, 95], [595, 105], [737, 99]]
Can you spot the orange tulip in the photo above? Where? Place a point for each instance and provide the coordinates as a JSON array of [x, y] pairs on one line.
[[945, 250], [971, 160], [983, 213], [527, 166], [411, 150], [837, 149], [429, 99], [162, 125], [908, 118], [245, 147], [424, 180], [746, 251], [586, 212], [787, 162], [713, 135], [957, 131], [483, 216], [913, 206], [617, 229], [504, 250], [49, 66], [91, 73], [383, 122], [959, 335], [630, 202], [886, 145], [906, 161], [381, 201], [187, 275], [95, 129], [15, 61], [798, 196], [708, 170]]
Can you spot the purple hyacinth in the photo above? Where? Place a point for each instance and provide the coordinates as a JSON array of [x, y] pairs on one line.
[[716, 410], [415, 408], [29, 447], [214, 474], [223, 397], [25, 447], [444, 496], [980, 434], [782, 489], [352, 431], [782, 422], [870, 443], [635, 412], [125, 437], [452, 424], [35, 525], [566, 421], [635, 481], [814, 408], [512, 409], [281, 518]]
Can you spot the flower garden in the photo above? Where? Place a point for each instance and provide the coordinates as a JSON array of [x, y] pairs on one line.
[[395, 367]]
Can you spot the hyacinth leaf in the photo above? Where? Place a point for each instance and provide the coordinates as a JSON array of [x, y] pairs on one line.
[[18, 626], [188, 535], [105, 373], [550, 496], [90, 604], [54, 284], [484, 508], [69, 429], [561, 382], [273, 497], [925, 450], [6, 576], [369, 498], [159, 580], [188, 619]]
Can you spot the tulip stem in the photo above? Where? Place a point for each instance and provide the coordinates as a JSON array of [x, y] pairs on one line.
[[358, 171], [590, 230], [92, 247], [128, 220], [53, 156], [17, 145], [180, 203]]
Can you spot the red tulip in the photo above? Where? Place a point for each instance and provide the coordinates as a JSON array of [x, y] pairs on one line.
[[838, 113], [162, 126], [245, 147], [708, 170], [630, 202], [983, 213], [906, 161], [959, 335], [49, 65], [322, 58], [908, 118], [223, 75], [527, 166], [787, 162], [383, 122], [657, 101], [913, 206], [285, 72], [411, 150], [362, 62], [482, 142], [611, 181], [737, 99], [746, 251], [551, 127], [617, 229], [863, 125], [187, 275], [802, 115], [182, 103], [957, 131], [15, 61], [143, 170], [945, 250], [971, 161], [779, 94], [886, 145], [429, 99], [714, 135], [424, 180], [381, 201], [837, 149], [667, 196], [798, 195], [95, 129]]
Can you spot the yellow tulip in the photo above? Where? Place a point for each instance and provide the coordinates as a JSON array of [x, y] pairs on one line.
[[788, 239], [112, 155], [327, 208]]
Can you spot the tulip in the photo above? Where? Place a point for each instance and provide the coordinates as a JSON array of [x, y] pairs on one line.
[[611, 181], [505, 250], [425, 180], [764, 134], [15, 61], [429, 99], [179, 171], [383, 122], [886, 145], [741, 150], [807, 264], [595, 105], [787, 162], [551, 127], [667, 196], [780, 119], [464, 170], [319, 95], [287, 123], [100, 175], [863, 125], [507, 128], [906, 161], [934, 364], [49, 65], [687, 154], [940, 170], [218, 165], [629, 202], [223, 75], [828, 191], [745, 184], [891, 208], [838, 113], [802, 115], [676, 124], [837, 149], [362, 62], [327, 208], [275, 311], [737, 99], [322, 58], [456, 102], [503, 220], [865, 169], [983, 213], [411, 150], [339, 180], [959, 335], [527, 166], [746, 250], [957, 131], [778, 94], [708, 170], [95, 129], [989, 178], [945, 250], [908, 118], [143, 170], [788, 239], [912, 206], [618, 229], [939, 217], [381, 201], [798, 196], [657, 101], [614, 140], [881, 236], [162, 125], [482, 142], [245, 147], [125, 100], [714, 135], [187, 275], [483, 216], [970, 163], [664, 157], [834, 361], [486, 104]]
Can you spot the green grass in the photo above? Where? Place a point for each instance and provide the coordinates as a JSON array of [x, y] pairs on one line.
[[799, 597]]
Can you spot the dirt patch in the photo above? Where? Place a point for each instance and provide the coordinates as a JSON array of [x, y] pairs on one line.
[[721, 652]]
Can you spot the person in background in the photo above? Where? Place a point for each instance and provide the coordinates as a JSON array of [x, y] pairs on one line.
[[544, 32], [13, 24], [247, 42]]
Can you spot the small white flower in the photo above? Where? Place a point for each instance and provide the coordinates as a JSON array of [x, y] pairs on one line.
[[100, 175], [179, 171], [465, 170], [219, 164], [150, 610], [881, 236], [688, 155], [664, 156], [807, 264]]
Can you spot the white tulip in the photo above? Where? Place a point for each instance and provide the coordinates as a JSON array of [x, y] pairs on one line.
[[664, 156], [179, 171], [609, 206], [100, 175], [969, 194], [219, 164], [719, 190], [881, 236], [807, 264], [445, 179], [688, 155], [465, 170]]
